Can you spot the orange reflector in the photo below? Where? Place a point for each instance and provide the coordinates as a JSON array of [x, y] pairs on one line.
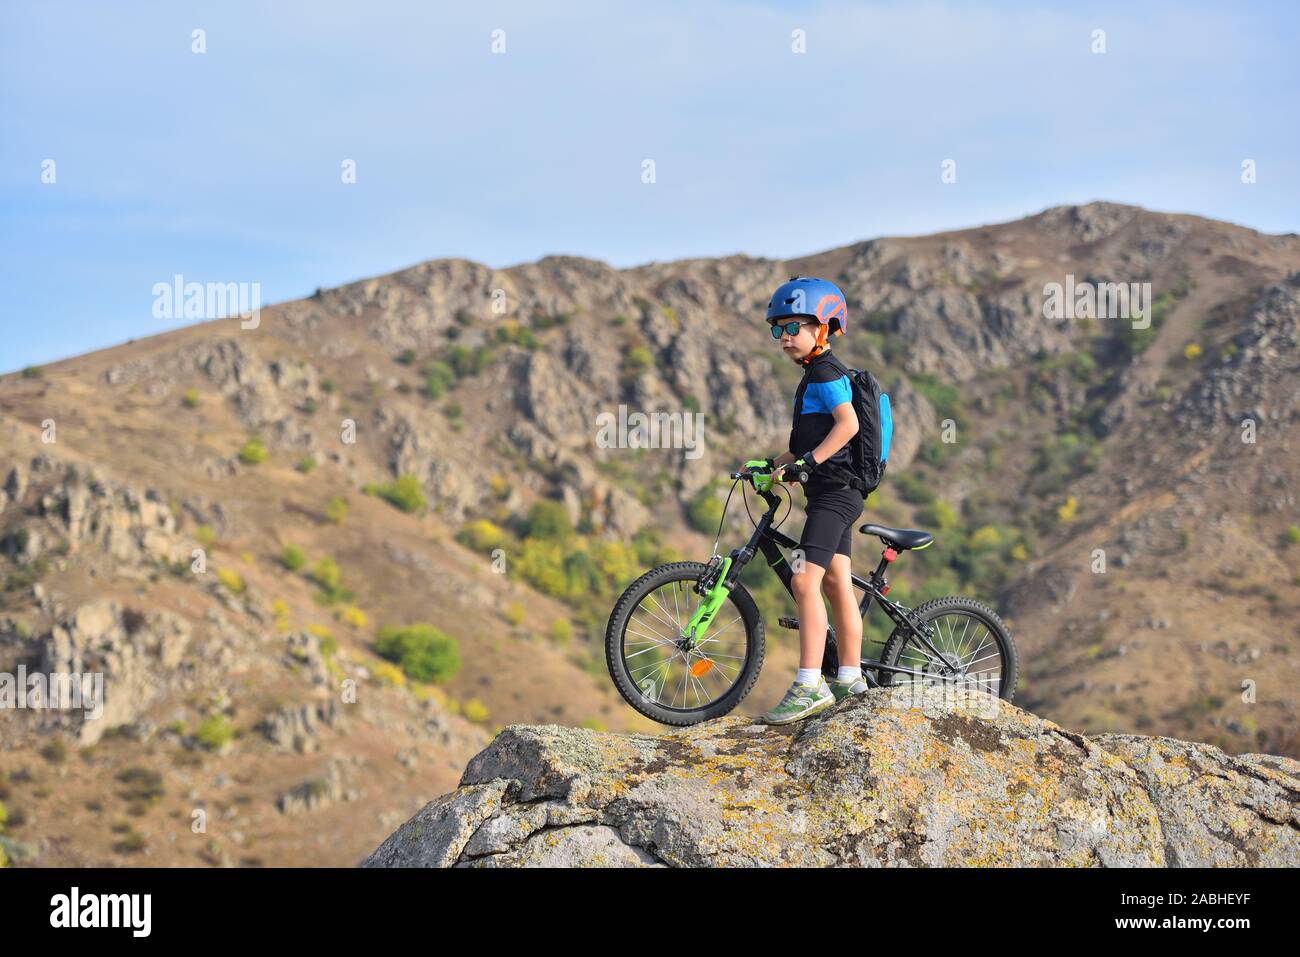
[[701, 667]]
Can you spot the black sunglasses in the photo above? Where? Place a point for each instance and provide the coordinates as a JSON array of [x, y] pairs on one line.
[[789, 328]]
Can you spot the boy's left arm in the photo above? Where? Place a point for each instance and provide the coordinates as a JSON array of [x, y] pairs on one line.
[[845, 427]]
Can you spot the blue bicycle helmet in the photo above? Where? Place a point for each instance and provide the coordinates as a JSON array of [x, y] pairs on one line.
[[818, 299]]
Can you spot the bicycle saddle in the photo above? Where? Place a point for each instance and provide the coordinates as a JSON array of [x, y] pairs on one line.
[[901, 538]]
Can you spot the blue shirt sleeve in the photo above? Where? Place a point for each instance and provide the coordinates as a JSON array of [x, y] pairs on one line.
[[825, 396]]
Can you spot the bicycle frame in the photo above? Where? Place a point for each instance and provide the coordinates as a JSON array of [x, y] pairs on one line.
[[770, 541]]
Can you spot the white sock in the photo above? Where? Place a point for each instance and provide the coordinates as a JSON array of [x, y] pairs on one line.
[[808, 676], [847, 674]]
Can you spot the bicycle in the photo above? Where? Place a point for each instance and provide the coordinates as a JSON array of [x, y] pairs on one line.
[[663, 625]]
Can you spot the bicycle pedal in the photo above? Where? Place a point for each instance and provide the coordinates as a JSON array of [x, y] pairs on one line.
[[788, 622]]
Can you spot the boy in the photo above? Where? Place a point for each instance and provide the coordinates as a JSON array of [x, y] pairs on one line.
[[803, 314]]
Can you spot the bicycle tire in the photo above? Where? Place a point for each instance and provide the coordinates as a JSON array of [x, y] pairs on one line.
[[929, 610], [616, 628]]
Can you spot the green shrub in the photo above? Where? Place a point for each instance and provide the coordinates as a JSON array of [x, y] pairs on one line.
[[423, 652], [144, 788], [438, 378], [481, 535], [562, 631], [549, 520], [936, 453], [705, 510], [467, 362], [638, 359], [190, 398], [354, 616], [405, 493], [647, 542], [56, 752], [581, 576], [944, 397], [938, 514], [542, 563], [326, 574], [543, 321], [292, 557], [215, 732], [233, 581], [1293, 535], [406, 357], [474, 710], [33, 372], [337, 509], [511, 331], [205, 536], [913, 489], [253, 452]]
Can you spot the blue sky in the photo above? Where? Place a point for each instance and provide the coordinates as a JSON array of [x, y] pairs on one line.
[[225, 166]]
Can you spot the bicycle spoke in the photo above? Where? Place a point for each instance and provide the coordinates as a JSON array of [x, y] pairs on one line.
[[676, 628], [650, 626]]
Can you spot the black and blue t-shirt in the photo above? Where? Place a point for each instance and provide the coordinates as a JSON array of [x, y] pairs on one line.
[[824, 386]]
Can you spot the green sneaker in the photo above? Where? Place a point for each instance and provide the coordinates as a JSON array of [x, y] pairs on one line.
[[800, 702], [843, 689]]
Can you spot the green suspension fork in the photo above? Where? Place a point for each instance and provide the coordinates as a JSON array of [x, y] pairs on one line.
[[694, 631]]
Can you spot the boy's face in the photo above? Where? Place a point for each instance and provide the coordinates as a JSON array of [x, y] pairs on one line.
[[798, 346]]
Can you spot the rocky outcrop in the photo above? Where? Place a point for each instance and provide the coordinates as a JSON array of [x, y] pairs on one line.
[[72, 510], [298, 727], [924, 778], [1256, 378], [1090, 222], [317, 792], [119, 661]]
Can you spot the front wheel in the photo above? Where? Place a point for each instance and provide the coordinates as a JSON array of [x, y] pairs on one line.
[[975, 649], [652, 667]]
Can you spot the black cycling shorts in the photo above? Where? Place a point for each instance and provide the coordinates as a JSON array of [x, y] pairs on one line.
[[829, 528]]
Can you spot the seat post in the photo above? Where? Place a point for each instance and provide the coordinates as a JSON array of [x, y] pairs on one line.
[[878, 575]]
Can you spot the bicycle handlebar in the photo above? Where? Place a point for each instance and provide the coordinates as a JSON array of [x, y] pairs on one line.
[[787, 475]]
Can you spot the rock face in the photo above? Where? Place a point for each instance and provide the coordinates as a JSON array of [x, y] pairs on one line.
[[133, 654], [895, 777]]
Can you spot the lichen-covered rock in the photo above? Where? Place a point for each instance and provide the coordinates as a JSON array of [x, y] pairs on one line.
[[892, 778], [436, 836], [1216, 809]]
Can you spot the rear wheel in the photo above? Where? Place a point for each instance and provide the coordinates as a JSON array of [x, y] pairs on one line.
[[975, 649], [654, 671]]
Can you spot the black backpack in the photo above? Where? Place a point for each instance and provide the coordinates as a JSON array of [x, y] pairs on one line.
[[869, 449]]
